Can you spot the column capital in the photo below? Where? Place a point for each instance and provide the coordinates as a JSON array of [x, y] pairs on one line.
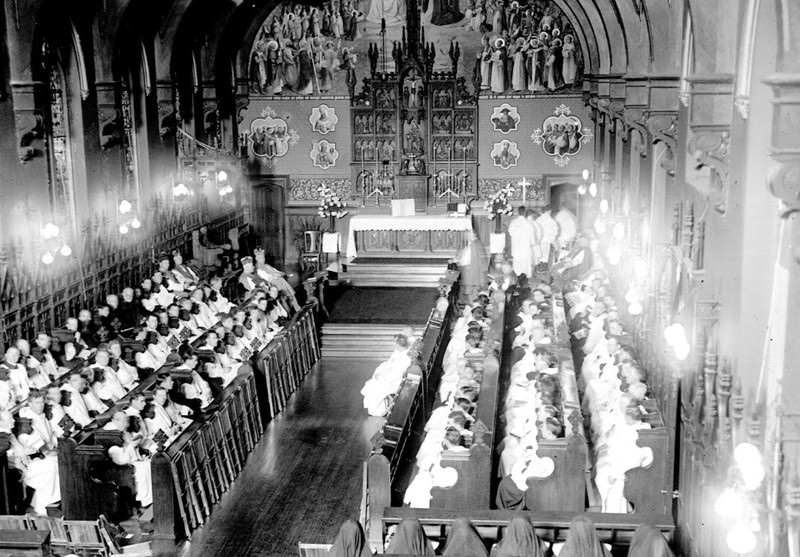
[[783, 178]]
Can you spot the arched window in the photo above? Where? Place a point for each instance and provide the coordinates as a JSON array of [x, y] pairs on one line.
[[136, 87], [59, 147]]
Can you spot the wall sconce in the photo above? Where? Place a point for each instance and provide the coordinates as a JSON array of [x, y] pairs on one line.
[[738, 502], [582, 187], [129, 218], [223, 186], [53, 243], [675, 335]]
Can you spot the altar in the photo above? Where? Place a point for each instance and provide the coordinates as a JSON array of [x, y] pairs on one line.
[[411, 236]]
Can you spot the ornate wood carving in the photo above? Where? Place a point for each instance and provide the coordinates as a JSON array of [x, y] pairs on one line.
[[304, 191], [663, 127], [712, 149]]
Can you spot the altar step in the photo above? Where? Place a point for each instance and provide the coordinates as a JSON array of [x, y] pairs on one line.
[[360, 340], [397, 272]]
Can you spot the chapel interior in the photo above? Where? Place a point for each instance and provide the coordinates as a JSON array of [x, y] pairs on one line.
[[435, 277]]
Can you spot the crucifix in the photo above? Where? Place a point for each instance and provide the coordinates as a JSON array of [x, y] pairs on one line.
[[524, 183]]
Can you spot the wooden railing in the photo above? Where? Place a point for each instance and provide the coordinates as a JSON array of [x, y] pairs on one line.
[[35, 297]]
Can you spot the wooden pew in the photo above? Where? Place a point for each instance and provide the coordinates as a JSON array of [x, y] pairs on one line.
[[551, 526], [645, 488], [282, 364], [565, 488], [473, 489], [191, 474], [388, 470]]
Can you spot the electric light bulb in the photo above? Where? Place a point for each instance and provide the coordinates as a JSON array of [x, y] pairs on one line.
[[604, 206], [600, 227], [682, 350], [746, 455], [581, 190], [180, 189], [741, 539], [47, 258], [50, 230], [752, 476], [635, 308], [125, 206], [640, 269], [123, 228], [675, 334], [614, 255], [222, 175], [593, 189], [65, 250], [730, 504], [619, 232], [135, 223], [222, 192], [632, 296], [585, 174]]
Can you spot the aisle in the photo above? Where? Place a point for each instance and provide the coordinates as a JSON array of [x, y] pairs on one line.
[[304, 477]]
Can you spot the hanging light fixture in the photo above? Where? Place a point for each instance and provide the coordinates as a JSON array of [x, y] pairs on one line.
[[593, 189], [53, 243], [129, 218]]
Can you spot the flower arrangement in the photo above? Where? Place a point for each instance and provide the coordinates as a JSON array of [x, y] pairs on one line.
[[330, 205], [499, 203]]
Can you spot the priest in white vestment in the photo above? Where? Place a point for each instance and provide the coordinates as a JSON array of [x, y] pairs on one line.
[[549, 234], [523, 239]]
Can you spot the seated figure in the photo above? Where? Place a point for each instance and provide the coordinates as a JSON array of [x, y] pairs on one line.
[[40, 445], [128, 454], [386, 379]]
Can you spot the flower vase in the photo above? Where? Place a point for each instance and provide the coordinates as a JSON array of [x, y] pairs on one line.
[[331, 223], [498, 224]]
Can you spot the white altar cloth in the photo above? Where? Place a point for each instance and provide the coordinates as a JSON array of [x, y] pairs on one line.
[[417, 222]]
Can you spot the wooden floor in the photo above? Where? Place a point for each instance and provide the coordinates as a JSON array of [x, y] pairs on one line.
[[304, 477]]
